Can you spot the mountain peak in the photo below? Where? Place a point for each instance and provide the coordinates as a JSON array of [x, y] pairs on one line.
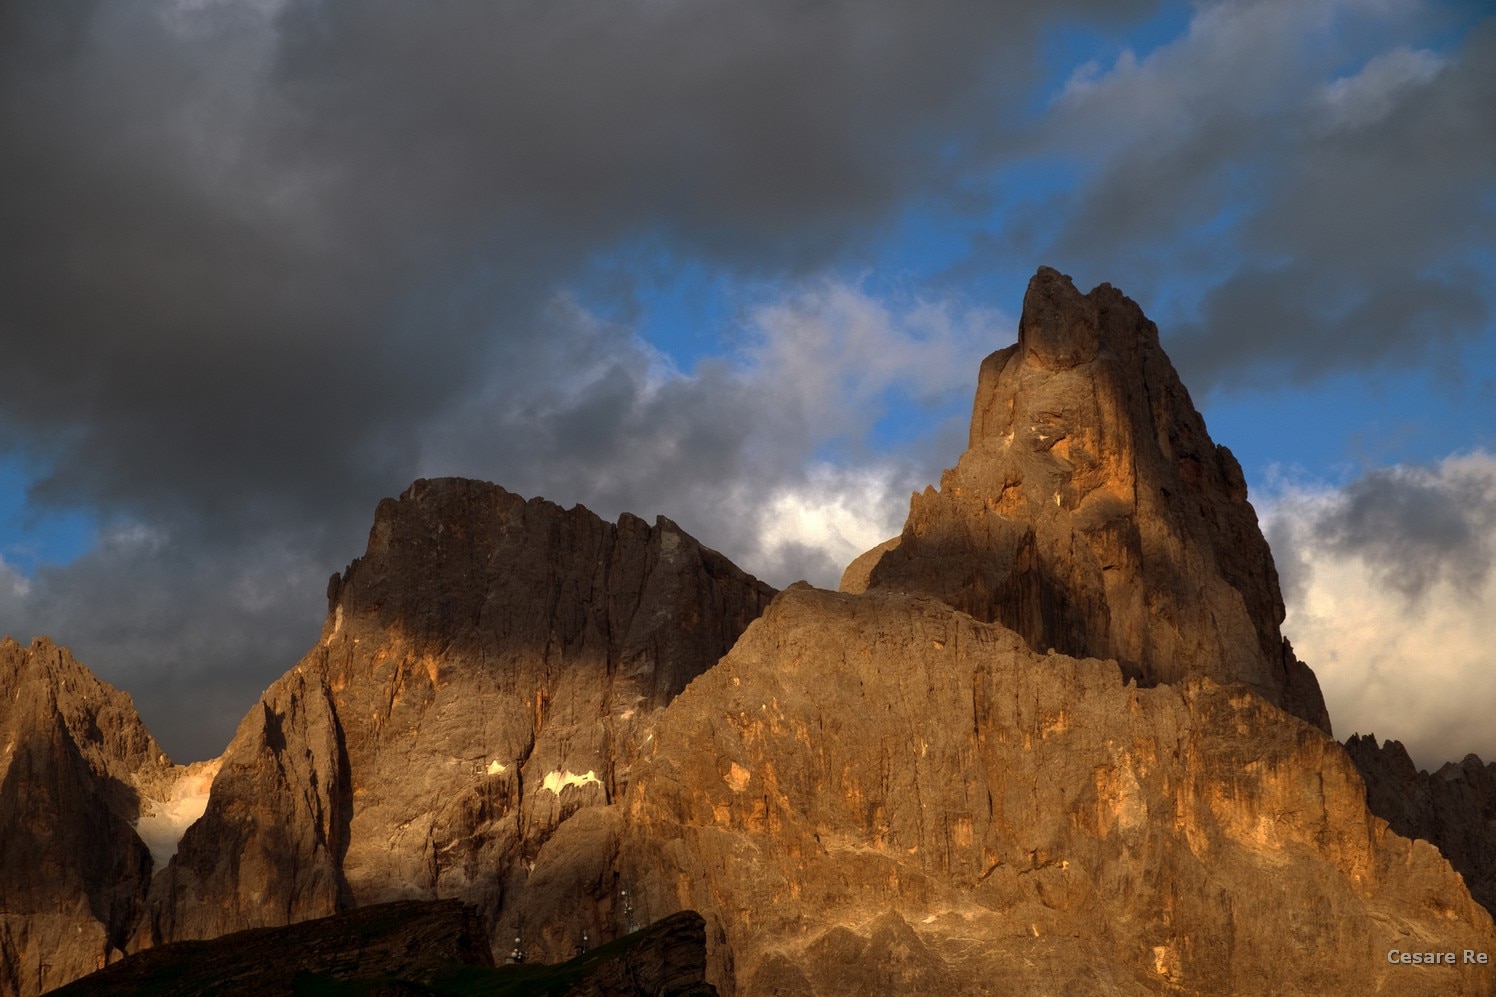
[[1059, 328], [1093, 514]]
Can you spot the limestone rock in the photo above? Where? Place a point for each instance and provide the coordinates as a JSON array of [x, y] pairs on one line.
[[882, 794], [1453, 808], [489, 668], [1093, 514], [269, 847], [73, 766]]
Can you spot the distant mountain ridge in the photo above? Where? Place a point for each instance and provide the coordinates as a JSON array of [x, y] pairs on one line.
[[1049, 739]]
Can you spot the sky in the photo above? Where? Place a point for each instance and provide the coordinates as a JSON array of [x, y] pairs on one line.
[[264, 262]]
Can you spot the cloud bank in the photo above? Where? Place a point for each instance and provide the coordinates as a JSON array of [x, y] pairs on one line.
[[1391, 599]]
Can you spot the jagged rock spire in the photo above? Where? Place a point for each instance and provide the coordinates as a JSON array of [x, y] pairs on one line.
[[1093, 514]]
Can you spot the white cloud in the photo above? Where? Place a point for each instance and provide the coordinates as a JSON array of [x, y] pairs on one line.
[[1371, 94], [828, 361], [1392, 601], [1235, 59], [832, 351], [815, 527], [766, 452], [14, 586]]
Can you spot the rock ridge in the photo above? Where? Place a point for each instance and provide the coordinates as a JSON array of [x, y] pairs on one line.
[[1454, 808], [405, 945], [489, 668]]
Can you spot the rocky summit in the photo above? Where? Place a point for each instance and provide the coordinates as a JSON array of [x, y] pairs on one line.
[[1050, 739], [488, 668], [1092, 514]]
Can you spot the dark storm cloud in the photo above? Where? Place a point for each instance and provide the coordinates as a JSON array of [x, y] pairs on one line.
[[243, 257], [1415, 529], [1298, 324], [192, 627], [255, 256], [1392, 600], [1314, 219], [1412, 527]]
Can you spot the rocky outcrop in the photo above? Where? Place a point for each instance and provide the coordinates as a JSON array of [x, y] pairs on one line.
[[1092, 513], [1454, 808], [667, 959], [488, 668], [880, 794], [75, 763], [399, 948]]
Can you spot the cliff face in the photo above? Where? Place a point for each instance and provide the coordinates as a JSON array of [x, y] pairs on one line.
[[1092, 513], [881, 794], [269, 846], [74, 767], [488, 668]]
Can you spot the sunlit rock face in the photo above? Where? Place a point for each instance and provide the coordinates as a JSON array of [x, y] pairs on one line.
[[488, 668], [880, 794], [75, 761], [1092, 513]]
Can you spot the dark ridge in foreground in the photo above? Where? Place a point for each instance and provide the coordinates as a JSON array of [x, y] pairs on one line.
[[414, 942], [410, 947]]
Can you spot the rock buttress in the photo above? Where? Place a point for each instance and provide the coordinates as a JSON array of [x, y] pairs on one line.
[[1454, 807]]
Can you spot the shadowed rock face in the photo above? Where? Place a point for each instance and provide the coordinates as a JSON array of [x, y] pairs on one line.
[[402, 946], [1093, 515], [488, 668], [74, 761], [432, 947], [1454, 808]]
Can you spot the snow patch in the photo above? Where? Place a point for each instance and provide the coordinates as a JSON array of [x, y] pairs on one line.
[[557, 781], [496, 768], [163, 822], [337, 624]]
